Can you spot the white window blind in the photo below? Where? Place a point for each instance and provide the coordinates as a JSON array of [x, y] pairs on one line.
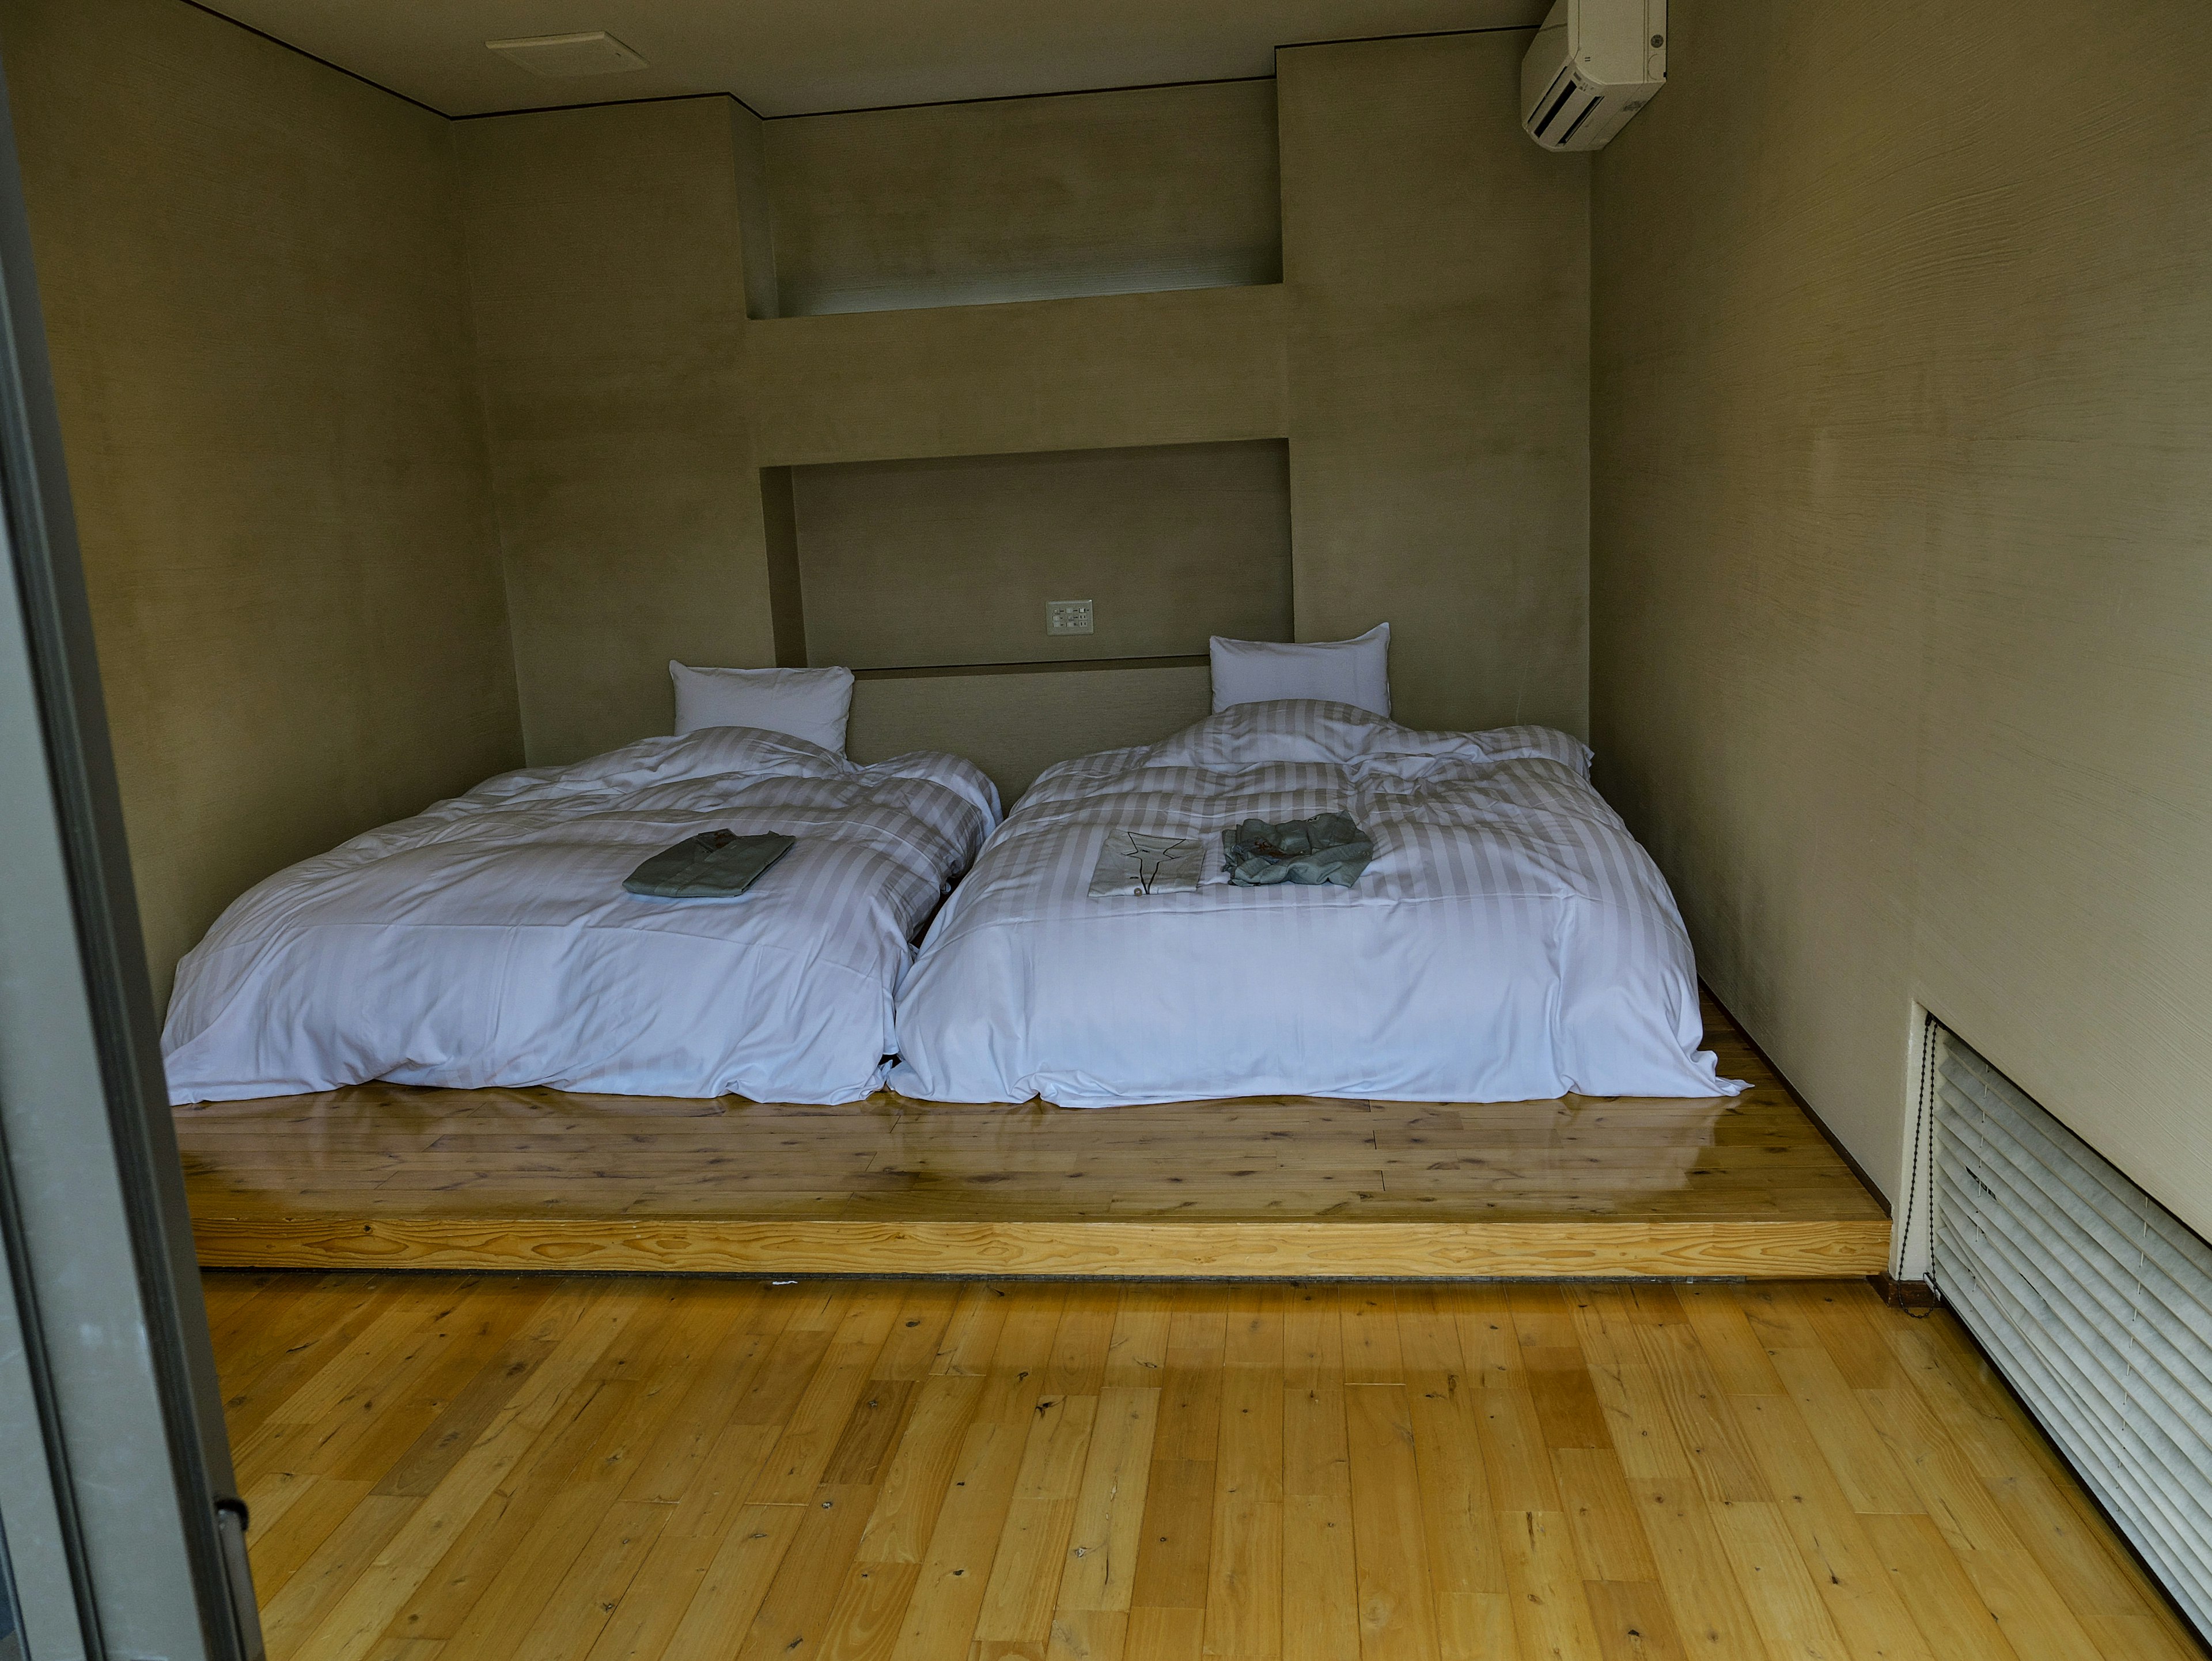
[[2094, 1302]]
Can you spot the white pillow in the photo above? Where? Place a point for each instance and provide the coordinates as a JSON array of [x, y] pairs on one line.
[[1354, 671], [807, 703]]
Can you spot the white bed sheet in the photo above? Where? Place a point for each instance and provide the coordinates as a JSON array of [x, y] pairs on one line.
[[1510, 941], [489, 940]]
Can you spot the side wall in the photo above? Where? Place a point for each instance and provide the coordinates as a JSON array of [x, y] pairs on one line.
[[253, 275], [1902, 544]]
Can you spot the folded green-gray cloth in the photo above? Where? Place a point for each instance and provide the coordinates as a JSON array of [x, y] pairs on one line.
[[714, 865], [1327, 848]]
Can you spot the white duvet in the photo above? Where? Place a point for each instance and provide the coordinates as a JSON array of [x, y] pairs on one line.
[[1510, 941], [489, 940]]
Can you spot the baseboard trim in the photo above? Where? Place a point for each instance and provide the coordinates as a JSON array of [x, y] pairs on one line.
[[1904, 1294]]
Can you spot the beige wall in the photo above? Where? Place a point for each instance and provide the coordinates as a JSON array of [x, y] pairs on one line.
[[252, 275], [1026, 199], [1014, 726], [607, 267], [1437, 270], [952, 561], [1426, 357], [1197, 367], [1902, 544]]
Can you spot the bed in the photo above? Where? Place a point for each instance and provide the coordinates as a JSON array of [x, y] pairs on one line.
[[489, 940], [1510, 941]]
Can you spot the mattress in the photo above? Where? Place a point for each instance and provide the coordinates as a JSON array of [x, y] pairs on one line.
[[1510, 941], [489, 942]]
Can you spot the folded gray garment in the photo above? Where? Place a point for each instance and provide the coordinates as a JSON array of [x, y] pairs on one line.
[[714, 865], [1327, 848]]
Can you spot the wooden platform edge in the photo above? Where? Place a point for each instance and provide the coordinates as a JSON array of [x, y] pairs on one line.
[[1174, 1250]]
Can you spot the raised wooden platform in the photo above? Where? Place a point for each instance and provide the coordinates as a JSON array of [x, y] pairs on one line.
[[382, 1176]]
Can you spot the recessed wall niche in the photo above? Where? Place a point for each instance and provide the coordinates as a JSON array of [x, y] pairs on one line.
[[1025, 199], [949, 563]]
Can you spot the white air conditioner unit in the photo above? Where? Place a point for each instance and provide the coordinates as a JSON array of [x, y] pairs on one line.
[[1593, 65]]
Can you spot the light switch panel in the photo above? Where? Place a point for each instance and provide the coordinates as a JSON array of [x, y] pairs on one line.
[[1067, 616]]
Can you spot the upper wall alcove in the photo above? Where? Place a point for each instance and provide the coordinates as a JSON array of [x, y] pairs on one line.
[[1025, 199]]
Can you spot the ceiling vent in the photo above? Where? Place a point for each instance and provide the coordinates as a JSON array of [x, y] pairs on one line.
[[595, 53]]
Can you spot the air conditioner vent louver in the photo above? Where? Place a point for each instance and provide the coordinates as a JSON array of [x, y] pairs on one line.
[[1543, 128], [592, 52], [1575, 126]]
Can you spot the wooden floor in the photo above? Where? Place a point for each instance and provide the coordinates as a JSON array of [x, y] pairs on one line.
[[383, 1176], [618, 1469]]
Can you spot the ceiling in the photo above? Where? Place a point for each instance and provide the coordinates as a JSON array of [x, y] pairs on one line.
[[802, 57]]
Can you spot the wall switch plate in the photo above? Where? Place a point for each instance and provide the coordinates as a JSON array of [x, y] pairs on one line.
[[1067, 616]]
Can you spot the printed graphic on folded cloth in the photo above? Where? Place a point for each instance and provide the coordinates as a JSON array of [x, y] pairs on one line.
[[714, 865], [1140, 862], [1327, 848]]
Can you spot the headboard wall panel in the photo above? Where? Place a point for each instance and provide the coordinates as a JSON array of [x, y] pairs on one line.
[[1406, 367], [905, 564], [1014, 726]]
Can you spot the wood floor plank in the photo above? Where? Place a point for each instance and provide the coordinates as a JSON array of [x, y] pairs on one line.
[[1703, 1426], [1631, 1621], [1033, 1541], [292, 1537], [917, 1331], [940, 1616], [1175, 1550], [1834, 1414], [971, 1336], [1777, 1584], [1711, 1617], [1244, 1590], [1601, 1517], [502, 1550], [794, 1613], [1518, 1462], [1164, 1634], [719, 1377], [1100, 1572], [1467, 1575], [328, 1373], [718, 1614], [1397, 1619], [1545, 1603], [431, 1525], [1088, 1635], [1136, 1353], [1933, 1585], [1862, 1599], [864, 1622], [1321, 1580], [914, 1480], [1372, 1355], [583, 1603], [1321, 1584], [572, 1468]]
